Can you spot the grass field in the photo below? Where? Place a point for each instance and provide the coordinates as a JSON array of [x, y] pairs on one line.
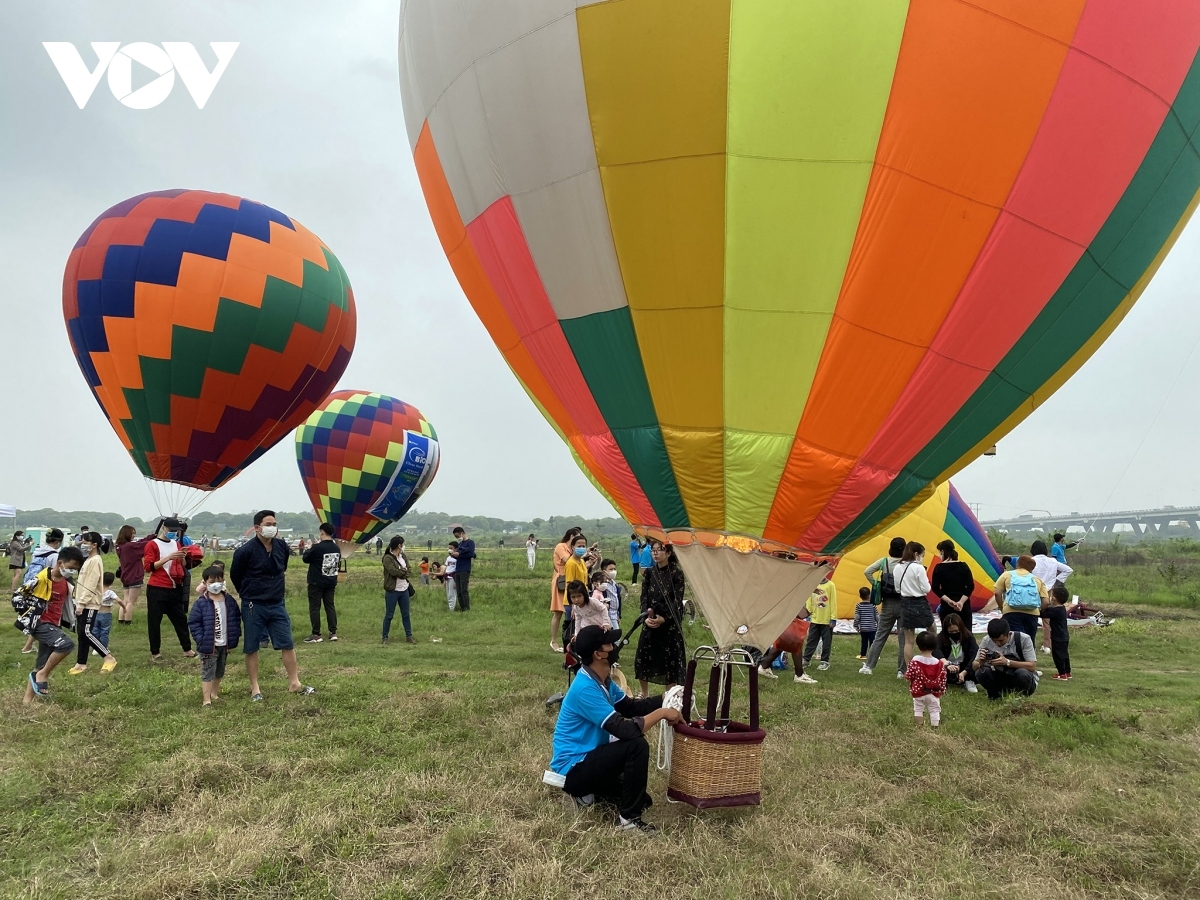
[[415, 772]]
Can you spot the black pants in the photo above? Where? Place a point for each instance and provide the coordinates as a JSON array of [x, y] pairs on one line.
[[998, 681], [1061, 656], [85, 625], [866, 638], [636, 567], [822, 634], [771, 655], [1026, 622], [615, 772], [169, 602], [318, 596], [461, 581]]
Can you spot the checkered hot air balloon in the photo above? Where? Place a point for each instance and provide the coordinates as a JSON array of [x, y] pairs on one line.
[[208, 327], [365, 460], [775, 270]]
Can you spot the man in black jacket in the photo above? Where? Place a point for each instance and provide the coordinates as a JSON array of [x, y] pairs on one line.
[[594, 712], [257, 574], [323, 560]]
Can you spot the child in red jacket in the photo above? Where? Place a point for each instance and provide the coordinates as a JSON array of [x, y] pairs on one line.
[[926, 681]]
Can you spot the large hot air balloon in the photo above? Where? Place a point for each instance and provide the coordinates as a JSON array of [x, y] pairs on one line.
[[943, 516], [208, 327], [365, 460], [774, 270]]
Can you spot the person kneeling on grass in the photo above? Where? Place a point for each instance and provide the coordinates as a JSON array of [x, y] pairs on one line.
[[599, 739], [215, 623], [957, 646], [1006, 662]]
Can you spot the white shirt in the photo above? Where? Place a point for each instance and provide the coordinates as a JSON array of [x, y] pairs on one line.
[[451, 563], [219, 634], [402, 583], [911, 580], [1048, 570]]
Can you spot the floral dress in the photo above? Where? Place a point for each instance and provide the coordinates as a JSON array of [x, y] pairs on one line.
[[661, 656]]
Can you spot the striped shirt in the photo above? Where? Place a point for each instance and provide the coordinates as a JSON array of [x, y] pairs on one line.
[[866, 616]]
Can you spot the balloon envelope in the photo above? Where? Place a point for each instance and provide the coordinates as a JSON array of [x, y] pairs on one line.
[[365, 459], [943, 516], [779, 269], [208, 327]]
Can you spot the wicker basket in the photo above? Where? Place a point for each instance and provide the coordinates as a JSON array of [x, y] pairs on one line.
[[716, 761]]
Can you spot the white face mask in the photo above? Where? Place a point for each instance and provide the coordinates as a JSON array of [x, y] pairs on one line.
[[216, 587], [269, 531]]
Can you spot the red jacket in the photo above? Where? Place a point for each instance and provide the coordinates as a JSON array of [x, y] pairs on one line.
[[926, 677], [172, 574]]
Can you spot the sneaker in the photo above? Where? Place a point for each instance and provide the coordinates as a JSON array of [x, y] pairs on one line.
[[635, 826], [586, 802], [1067, 677], [410, 640], [865, 670], [385, 640], [1061, 677], [972, 688], [824, 667], [899, 674], [767, 673], [804, 679], [313, 639], [1045, 649], [333, 637]]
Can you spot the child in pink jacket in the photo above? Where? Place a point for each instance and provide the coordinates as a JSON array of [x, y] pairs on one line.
[[926, 681]]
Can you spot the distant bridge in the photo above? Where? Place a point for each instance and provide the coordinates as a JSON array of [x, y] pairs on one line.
[[1139, 520]]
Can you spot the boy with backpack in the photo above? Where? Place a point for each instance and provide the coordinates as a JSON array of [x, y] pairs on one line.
[[215, 623], [45, 599], [1021, 596], [890, 606]]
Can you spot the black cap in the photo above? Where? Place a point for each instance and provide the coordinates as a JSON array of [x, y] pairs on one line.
[[592, 638]]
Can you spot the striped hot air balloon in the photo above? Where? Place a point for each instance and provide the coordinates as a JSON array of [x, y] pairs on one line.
[[777, 269], [208, 327], [365, 459]]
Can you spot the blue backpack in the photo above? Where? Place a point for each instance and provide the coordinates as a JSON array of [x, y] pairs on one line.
[[1023, 593]]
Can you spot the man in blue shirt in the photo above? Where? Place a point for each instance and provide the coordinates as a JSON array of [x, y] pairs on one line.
[[635, 555], [462, 568], [599, 743], [257, 574], [1059, 549]]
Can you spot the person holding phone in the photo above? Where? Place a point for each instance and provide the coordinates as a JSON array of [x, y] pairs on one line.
[[1006, 662]]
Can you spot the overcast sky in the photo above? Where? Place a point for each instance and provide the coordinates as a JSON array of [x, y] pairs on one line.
[[307, 118]]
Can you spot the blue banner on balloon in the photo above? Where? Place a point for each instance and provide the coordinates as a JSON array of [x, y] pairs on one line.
[[393, 503]]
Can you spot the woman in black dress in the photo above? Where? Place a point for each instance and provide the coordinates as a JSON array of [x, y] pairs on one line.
[[953, 583], [661, 656]]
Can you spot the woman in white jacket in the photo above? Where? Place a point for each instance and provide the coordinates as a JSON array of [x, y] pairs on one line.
[[913, 584]]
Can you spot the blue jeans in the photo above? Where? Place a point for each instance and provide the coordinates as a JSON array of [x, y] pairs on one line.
[[102, 627], [390, 599]]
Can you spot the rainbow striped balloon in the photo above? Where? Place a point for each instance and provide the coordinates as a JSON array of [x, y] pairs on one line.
[[942, 516], [779, 268]]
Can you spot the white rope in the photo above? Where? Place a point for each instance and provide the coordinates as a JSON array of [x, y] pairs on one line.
[[672, 699]]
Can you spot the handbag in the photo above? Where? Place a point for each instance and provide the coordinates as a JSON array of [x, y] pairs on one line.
[[561, 583]]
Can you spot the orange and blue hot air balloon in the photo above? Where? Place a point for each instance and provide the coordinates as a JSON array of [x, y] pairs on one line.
[[775, 270], [365, 459], [207, 326]]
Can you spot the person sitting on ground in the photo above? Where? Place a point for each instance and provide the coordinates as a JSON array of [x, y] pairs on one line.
[[215, 624], [1006, 662], [1021, 595], [926, 676], [866, 617], [599, 742], [1058, 631], [957, 646], [53, 587]]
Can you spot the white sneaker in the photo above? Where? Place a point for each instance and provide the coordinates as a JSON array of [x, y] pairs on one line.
[[1045, 649], [972, 688], [767, 673], [899, 674], [865, 670], [823, 666], [804, 679]]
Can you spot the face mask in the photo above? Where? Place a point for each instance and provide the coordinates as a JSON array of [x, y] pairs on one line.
[[69, 574], [581, 551], [954, 634], [269, 531], [613, 655], [216, 587], [610, 574], [172, 535]]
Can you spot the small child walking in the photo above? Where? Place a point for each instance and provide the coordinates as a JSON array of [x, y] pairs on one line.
[[1060, 632], [926, 681], [216, 625], [866, 620]]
